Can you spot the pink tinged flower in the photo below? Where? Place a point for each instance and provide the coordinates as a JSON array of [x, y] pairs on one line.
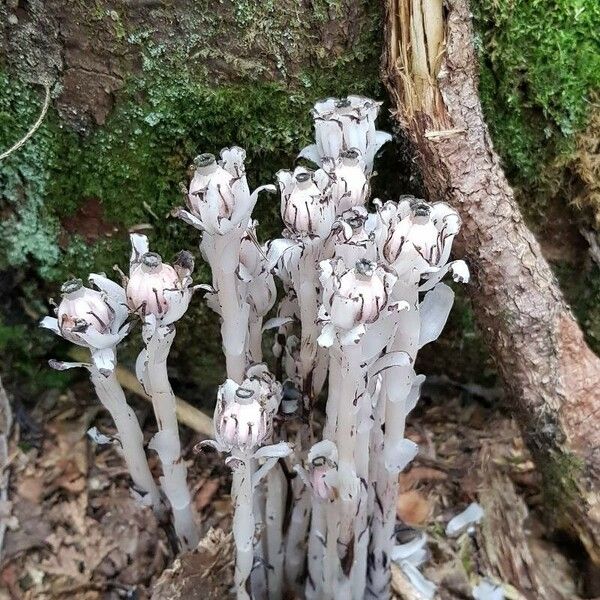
[[156, 290], [147, 285], [415, 235], [322, 470], [306, 206], [244, 413], [243, 425], [210, 196], [83, 311], [91, 318]]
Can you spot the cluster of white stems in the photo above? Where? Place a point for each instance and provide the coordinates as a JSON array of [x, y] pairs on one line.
[[314, 497]]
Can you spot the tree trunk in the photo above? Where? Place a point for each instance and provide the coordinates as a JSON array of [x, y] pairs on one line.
[[550, 374]]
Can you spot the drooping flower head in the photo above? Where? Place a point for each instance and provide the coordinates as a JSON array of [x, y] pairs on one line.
[[349, 184], [344, 124], [155, 288], [218, 198], [352, 298], [353, 237], [320, 472], [254, 269], [95, 319], [415, 235], [244, 413], [82, 309], [307, 209]]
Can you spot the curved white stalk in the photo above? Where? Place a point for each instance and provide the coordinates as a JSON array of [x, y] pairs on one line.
[[361, 528], [351, 395], [242, 490], [223, 254], [111, 395], [166, 442]]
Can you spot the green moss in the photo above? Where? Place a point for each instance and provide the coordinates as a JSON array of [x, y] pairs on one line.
[[560, 474], [582, 290], [28, 231], [167, 113], [539, 65]]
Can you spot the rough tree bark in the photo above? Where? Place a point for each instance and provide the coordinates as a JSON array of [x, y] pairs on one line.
[[551, 375]]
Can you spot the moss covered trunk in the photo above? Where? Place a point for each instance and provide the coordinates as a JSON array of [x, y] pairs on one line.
[[553, 378], [138, 89]]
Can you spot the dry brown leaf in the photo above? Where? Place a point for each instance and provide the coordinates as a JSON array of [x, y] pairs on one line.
[[31, 488], [413, 508], [410, 479], [206, 493]]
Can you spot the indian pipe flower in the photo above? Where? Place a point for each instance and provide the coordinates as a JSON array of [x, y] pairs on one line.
[[244, 413], [155, 288], [307, 209], [349, 186], [254, 269], [320, 473], [91, 318], [218, 198], [342, 124], [416, 235], [352, 298], [353, 238]]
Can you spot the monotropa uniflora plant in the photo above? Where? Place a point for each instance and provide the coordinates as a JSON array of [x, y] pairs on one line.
[[314, 431]]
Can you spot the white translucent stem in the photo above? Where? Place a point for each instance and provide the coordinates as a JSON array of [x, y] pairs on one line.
[[259, 575], [167, 443], [316, 544], [243, 522], [331, 408], [274, 513], [308, 301], [331, 562], [255, 339], [110, 394], [234, 310], [296, 539], [361, 528], [306, 285], [386, 485], [349, 488]]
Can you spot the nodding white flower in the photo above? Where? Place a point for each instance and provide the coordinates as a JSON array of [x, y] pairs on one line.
[[307, 209], [349, 186], [244, 413], [81, 309], [156, 289], [360, 294], [320, 473], [218, 198], [254, 270], [342, 124], [354, 238], [416, 235], [352, 298], [91, 318]]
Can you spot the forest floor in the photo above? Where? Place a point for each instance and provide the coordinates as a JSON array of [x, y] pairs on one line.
[[74, 531]]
